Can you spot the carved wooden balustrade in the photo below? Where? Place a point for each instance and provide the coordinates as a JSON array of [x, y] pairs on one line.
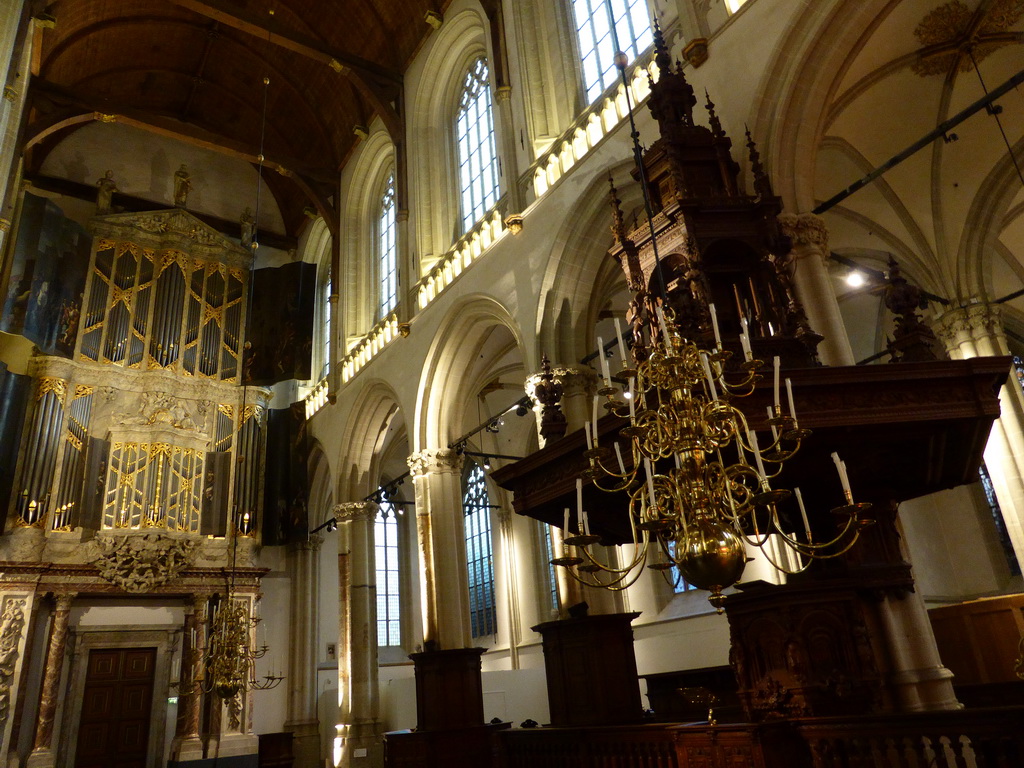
[[978, 738]]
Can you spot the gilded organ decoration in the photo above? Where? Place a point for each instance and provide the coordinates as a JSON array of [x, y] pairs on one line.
[[153, 485]]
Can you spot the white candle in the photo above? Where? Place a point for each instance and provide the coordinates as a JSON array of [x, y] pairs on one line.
[[789, 394], [714, 326], [632, 398], [664, 329], [679, 464], [618, 455], [776, 364], [605, 373], [775, 432], [586, 430], [803, 512], [650, 479], [595, 421], [565, 522], [579, 497], [585, 526], [745, 340], [710, 378], [752, 437], [841, 470], [622, 347]]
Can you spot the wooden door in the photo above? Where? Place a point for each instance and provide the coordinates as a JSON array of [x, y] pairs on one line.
[[116, 708]]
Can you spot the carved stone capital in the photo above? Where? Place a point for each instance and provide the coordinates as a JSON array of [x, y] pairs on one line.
[[974, 321], [435, 461], [576, 380], [64, 600], [350, 511], [807, 232]]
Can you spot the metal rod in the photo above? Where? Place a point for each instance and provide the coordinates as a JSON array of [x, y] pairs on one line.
[[927, 139]]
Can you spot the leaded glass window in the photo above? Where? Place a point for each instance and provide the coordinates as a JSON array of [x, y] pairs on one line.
[[474, 133], [325, 297], [388, 251], [993, 505], [476, 506], [389, 594], [549, 555], [597, 44]]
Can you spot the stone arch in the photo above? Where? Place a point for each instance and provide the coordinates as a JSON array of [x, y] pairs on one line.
[[447, 383], [369, 171], [374, 412], [580, 276], [321, 495], [433, 158]]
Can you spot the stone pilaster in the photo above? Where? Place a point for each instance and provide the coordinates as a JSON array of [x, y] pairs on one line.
[[304, 570], [976, 330], [437, 477], [187, 745], [813, 285], [359, 727], [42, 755], [507, 134]]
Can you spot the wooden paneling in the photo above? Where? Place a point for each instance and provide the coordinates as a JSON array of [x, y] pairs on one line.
[[978, 640]]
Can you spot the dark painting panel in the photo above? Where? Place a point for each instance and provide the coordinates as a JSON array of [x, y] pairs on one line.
[[14, 403], [286, 484], [279, 332], [48, 271]]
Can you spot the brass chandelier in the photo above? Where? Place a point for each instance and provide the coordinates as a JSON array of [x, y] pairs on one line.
[[697, 479], [697, 483], [225, 663]]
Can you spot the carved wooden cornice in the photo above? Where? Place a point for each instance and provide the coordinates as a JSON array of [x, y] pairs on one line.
[[169, 229]]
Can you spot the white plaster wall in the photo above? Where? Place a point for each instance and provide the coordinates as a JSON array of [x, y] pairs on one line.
[[144, 165], [953, 545], [270, 708]]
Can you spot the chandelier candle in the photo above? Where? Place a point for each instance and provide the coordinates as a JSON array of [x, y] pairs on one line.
[[605, 373], [803, 513], [714, 326], [618, 456], [622, 347], [789, 394], [776, 365], [748, 355]]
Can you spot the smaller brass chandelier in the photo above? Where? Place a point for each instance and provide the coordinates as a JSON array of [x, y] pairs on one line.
[[698, 483], [225, 664]]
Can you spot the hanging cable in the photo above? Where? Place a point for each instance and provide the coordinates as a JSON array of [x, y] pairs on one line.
[[994, 110]]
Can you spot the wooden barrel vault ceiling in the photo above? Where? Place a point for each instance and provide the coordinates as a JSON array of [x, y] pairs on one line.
[[193, 70]]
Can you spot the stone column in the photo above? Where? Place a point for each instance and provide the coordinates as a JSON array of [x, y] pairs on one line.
[[42, 755], [813, 285], [437, 477], [510, 164], [304, 570], [579, 386], [973, 331], [187, 744], [359, 727]]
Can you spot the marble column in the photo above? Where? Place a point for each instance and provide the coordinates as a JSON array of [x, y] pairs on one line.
[[187, 744], [359, 726], [976, 330], [437, 478], [42, 755], [813, 285], [304, 573]]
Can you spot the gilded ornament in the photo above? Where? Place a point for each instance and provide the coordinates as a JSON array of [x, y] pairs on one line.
[[58, 387]]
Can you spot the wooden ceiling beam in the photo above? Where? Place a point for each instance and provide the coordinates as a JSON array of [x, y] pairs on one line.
[[106, 110], [267, 28], [381, 86]]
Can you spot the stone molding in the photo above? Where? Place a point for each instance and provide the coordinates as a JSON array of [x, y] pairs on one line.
[[576, 380], [435, 461]]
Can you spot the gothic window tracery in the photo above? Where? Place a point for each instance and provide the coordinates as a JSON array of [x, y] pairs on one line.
[[594, 21], [474, 134], [387, 250], [389, 593], [476, 507]]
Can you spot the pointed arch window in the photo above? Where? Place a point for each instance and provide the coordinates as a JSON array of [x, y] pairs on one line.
[[325, 300], [474, 134], [594, 19], [387, 249], [389, 592], [476, 507]]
